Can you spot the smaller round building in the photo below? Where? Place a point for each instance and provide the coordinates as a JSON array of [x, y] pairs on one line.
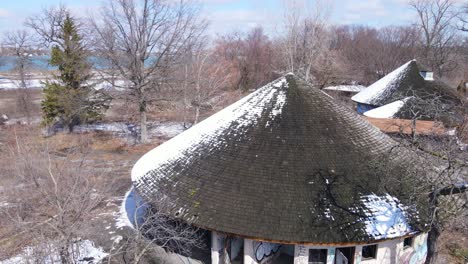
[[287, 175]]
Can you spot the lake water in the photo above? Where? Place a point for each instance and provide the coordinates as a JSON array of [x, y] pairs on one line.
[[7, 63]]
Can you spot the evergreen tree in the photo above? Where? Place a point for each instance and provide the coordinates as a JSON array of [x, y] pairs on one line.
[[69, 99]]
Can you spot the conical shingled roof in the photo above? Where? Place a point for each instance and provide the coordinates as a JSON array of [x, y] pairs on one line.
[[421, 109], [404, 82], [284, 164]]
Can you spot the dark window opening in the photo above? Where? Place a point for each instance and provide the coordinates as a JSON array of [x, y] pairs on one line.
[[344, 255], [369, 252], [408, 242], [317, 256]]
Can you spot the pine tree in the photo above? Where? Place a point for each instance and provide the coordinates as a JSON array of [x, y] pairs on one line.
[[69, 99]]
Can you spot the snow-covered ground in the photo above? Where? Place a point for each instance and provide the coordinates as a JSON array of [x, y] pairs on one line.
[[38, 83], [83, 251], [155, 129], [8, 84], [23, 121]]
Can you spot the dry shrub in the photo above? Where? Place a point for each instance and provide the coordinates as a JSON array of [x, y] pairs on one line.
[[86, 142], [51, 197]]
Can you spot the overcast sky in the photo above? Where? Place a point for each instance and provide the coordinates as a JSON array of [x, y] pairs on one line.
[[229, 15]]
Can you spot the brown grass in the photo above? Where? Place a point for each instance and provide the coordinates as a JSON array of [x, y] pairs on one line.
[[8, 103]]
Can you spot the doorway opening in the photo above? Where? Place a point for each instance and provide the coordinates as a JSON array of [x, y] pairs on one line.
[[344, 255]]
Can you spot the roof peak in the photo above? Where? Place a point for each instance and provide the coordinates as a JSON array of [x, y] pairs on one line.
[[275, 165], [379, 92]]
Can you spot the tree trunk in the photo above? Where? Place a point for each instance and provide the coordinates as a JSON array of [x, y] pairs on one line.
[[143, 127], [432, 244], [64, 254], [434, 233], [413, 131], [197, 114]]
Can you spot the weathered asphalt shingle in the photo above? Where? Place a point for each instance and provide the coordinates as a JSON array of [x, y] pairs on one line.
[[406, 82], [286, 164]]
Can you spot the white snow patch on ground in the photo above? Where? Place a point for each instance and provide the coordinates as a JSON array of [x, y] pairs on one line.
[[243, 113], [346, 88], [122, 216], [155, 129], [116, 239], [381, 87], [388, 110], [83, 251], [4, 204], [385, 217], [118, 85], [15, 84], [452, 132], [167, 129], [97, 84]]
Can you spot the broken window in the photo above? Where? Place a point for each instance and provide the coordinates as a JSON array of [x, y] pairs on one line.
[[408, 242], [369, 252]]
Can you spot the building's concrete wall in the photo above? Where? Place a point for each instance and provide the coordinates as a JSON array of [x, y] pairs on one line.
[[249, 257], [388, 252], [417, 253], [392, 252], [256, 252], [217, 241], [301, 254]]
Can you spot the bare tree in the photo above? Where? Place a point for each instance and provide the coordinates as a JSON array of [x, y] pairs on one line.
[[439, 183], [209, 74], [53, 199], [369, 54], [433, 184], [48, 25], [21, 43], [142, 40], [292, 20], [437, 24], [308, 40], [463, 19], [153, 234]]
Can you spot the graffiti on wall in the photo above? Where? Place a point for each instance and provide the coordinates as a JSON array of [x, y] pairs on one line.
[[417, 253], [263, 250], [300, 254]]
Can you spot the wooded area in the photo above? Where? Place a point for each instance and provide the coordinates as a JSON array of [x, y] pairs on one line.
[[140, 62]]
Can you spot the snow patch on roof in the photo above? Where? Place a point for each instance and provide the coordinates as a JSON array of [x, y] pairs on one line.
[[346, 88], [382, 87], [386, 217], [388, 110], [242, 114]]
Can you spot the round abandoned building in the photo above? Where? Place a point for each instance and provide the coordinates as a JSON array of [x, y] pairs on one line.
[[287, 175]]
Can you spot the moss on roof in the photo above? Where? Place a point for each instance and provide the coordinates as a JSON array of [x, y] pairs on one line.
[[293, 167]]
